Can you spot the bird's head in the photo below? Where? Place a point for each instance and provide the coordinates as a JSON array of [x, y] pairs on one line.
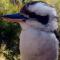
[[38, 15]]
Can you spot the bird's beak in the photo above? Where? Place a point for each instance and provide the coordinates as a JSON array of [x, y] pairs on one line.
[[16, 16]]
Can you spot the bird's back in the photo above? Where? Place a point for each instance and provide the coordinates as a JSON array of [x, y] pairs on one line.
[[38, 45]]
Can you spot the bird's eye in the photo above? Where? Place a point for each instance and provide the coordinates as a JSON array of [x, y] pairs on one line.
[[42, 19]]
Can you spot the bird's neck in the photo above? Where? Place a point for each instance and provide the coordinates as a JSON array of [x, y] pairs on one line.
[[26, 27], [37, 26]]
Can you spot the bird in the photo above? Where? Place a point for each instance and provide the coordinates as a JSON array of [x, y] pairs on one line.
[[38, 21]]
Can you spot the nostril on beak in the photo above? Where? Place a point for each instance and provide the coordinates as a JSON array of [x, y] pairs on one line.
[[24, 20]]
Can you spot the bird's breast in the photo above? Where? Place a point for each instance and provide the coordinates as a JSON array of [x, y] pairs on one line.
[[37, 43]]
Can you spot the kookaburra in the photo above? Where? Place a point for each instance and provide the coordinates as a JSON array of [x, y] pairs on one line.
[[38, 21]]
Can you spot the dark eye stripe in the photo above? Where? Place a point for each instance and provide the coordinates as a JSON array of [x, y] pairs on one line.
[[41, 19]]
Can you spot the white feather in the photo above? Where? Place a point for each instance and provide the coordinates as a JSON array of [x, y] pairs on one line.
[[42, 9], [38, 45]]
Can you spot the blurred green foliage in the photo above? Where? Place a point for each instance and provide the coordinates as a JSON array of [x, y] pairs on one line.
[[9, 32], [9, 36]]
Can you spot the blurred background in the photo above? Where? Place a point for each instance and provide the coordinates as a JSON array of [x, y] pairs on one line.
[[9, 32]]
